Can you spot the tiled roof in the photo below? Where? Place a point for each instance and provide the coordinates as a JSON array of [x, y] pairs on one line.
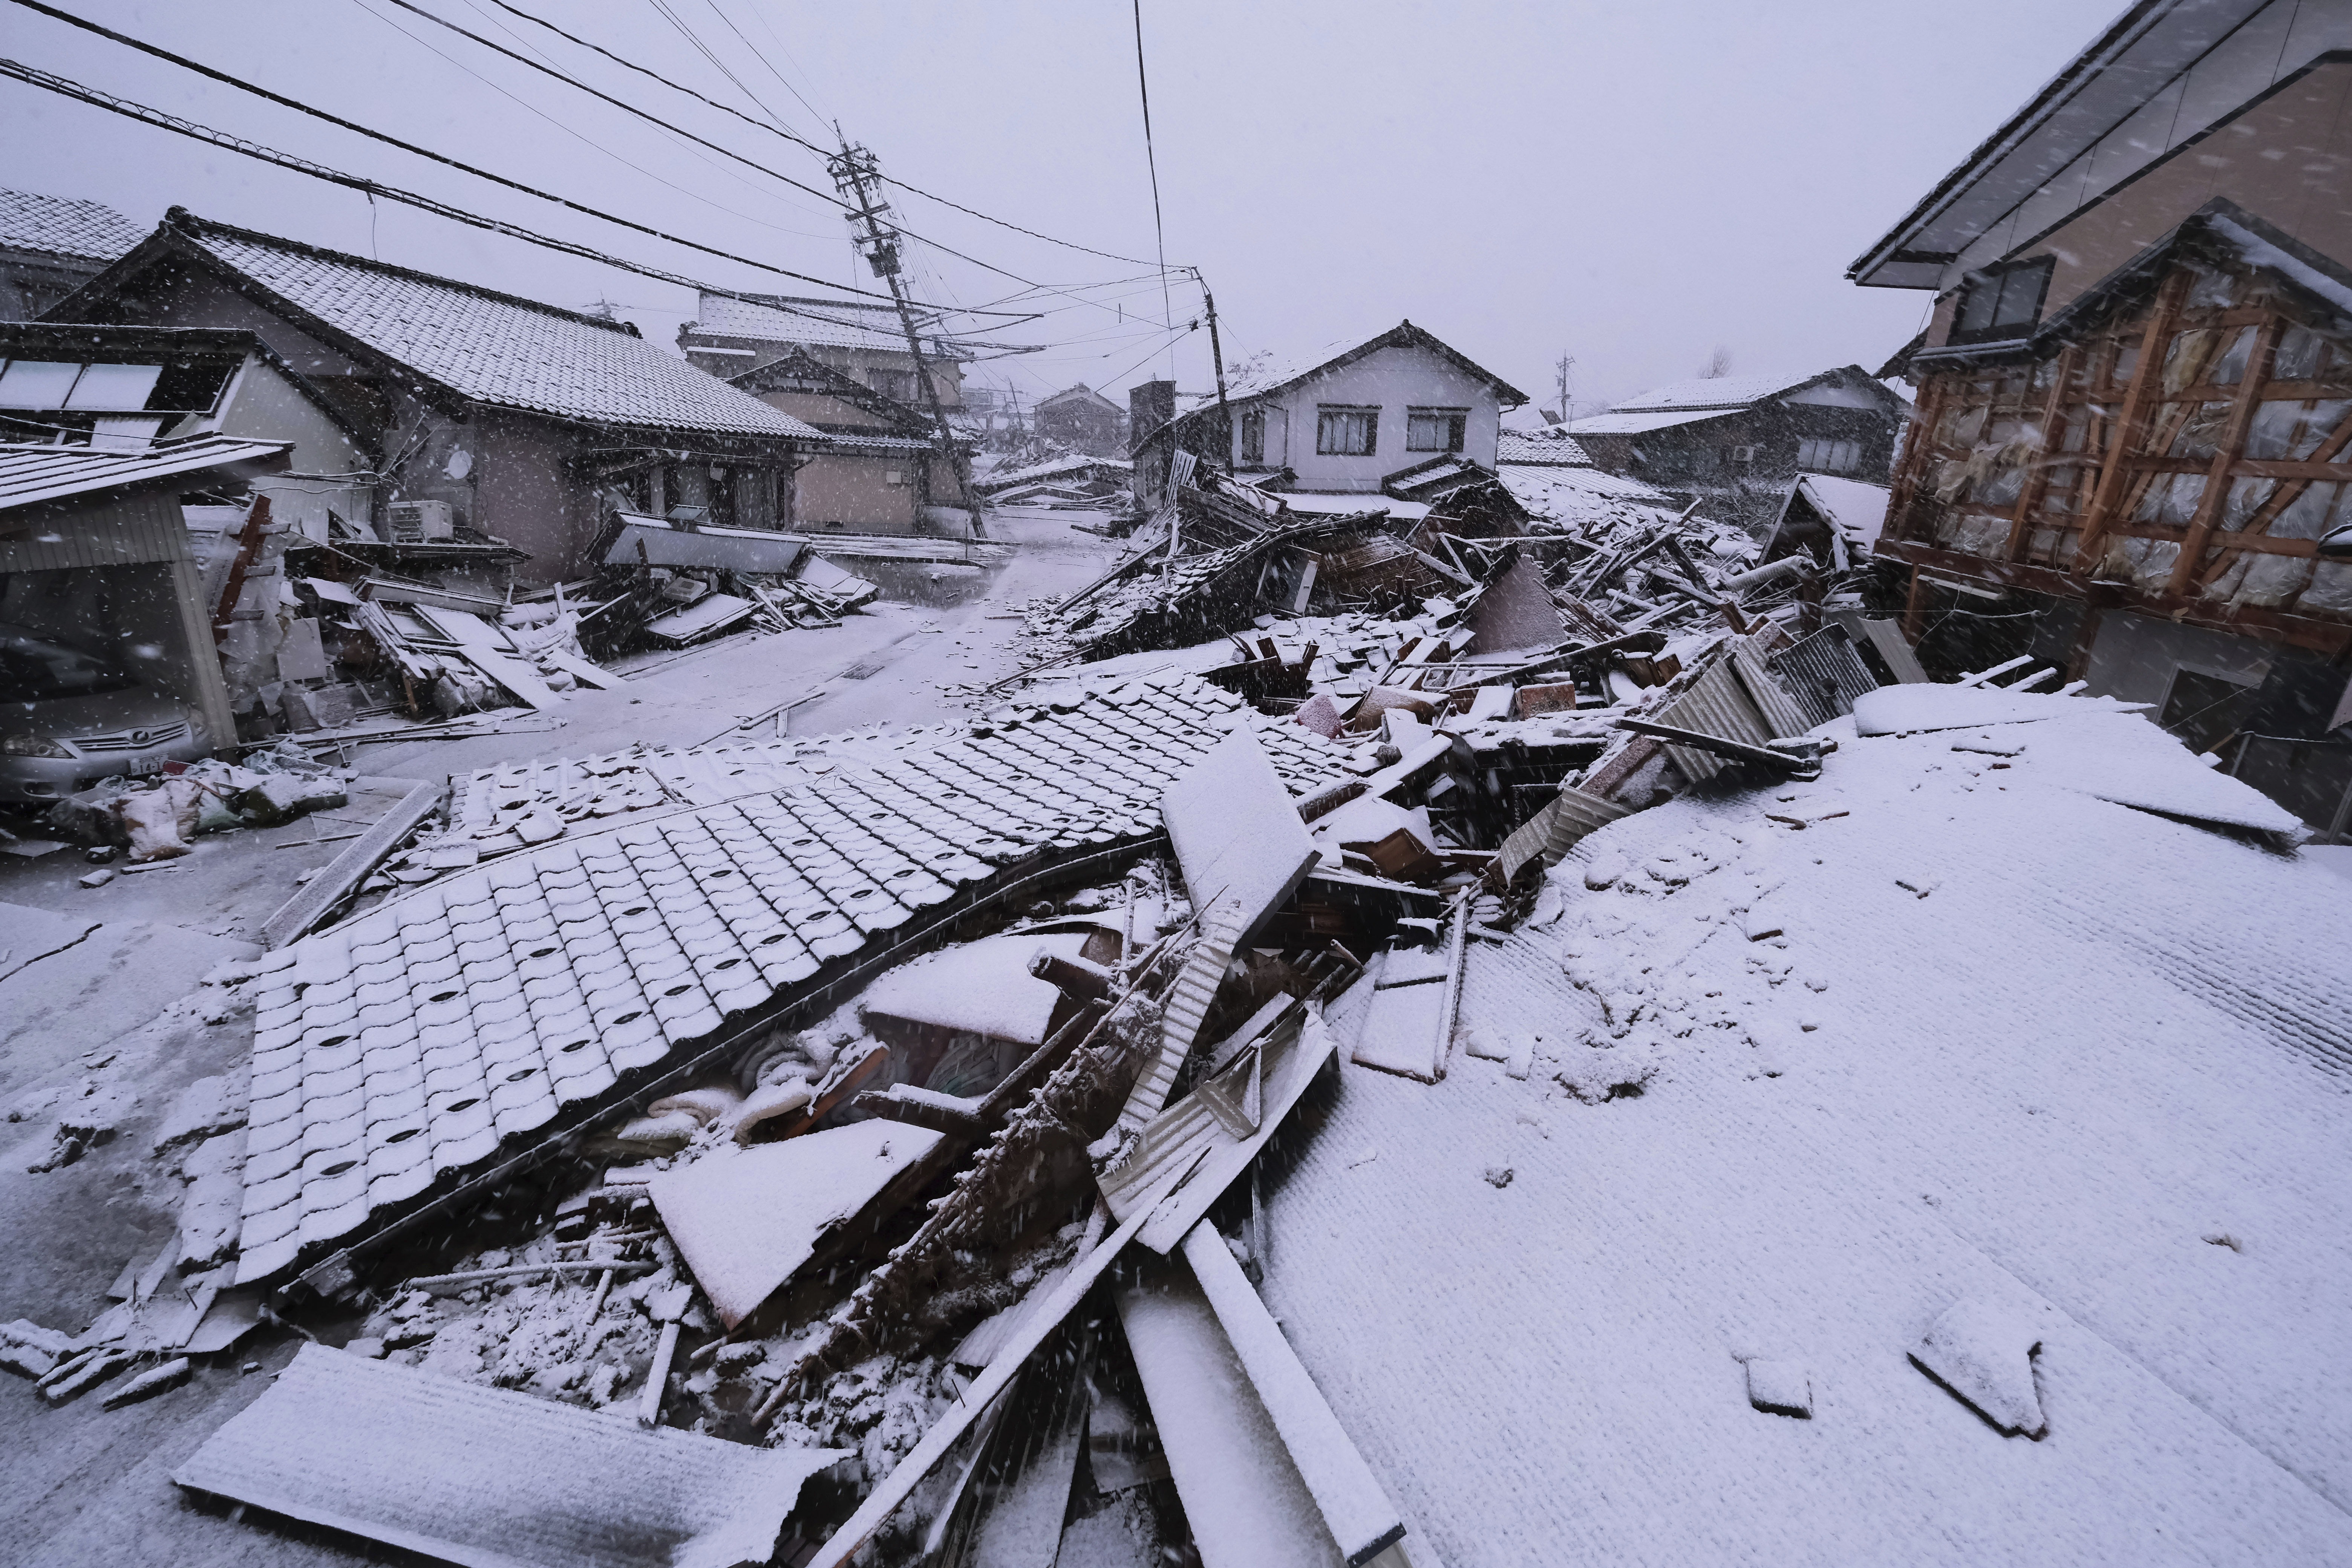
[[60, 225], [396, 1054], [1715, 391], [492, 348], [1551, 446], [834, 323], [41, 472], [1584, 500]]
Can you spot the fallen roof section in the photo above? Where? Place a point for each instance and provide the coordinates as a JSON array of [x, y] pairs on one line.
[[47, 472], [492, 1479], [402, 1054]]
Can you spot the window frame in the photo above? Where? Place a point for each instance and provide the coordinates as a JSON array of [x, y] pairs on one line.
[[1457, 422], [1326, 413], [1251, 436], [2027, 282]]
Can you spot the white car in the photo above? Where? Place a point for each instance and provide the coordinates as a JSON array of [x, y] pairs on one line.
[[69, 718]]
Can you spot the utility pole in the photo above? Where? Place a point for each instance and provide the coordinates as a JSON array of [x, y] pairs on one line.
[[858, 175], [1216, 352], [1566, 363]]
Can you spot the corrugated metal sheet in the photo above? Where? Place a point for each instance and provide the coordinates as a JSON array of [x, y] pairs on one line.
[[30, 473], [119, 531], [1718, 704], [732, 549], [1552, 832], [1823, 674], [1782, 713]]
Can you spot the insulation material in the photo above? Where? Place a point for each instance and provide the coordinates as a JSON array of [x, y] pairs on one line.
[[745, 1220], [491, 1478]]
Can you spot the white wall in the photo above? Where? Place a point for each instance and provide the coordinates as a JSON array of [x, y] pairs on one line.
[[1393, 379], [261, 404]]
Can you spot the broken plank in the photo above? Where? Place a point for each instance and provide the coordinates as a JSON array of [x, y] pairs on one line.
[[1286, 1082], [1355, 1508], [347, 870], [885, 1498]]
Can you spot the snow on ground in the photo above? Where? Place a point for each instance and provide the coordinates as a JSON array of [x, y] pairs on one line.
[[2012, 1042]]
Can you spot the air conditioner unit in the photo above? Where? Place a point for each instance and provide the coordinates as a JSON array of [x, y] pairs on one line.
[[419, 522], [1743, 454]]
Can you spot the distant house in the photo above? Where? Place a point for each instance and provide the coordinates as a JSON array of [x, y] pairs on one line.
[[124, 389], [1347, 426], [1083, 419], [532, 424], [875, 468], [1736, 441], [733, 333], [51, 246], [1549, 448]]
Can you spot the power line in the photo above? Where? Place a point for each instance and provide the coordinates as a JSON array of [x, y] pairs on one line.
[[763, 59], [820, 151], [64, 88], [607, 98], [336, 120], [675, 20], [1151, 161]]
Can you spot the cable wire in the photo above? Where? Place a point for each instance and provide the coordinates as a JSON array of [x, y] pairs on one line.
[[1151, 161], [64, 88], [804, 142]]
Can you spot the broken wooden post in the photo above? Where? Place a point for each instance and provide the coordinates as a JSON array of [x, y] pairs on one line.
[[667, 1309]]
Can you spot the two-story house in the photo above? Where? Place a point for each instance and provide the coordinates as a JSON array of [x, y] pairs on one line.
[[734, 333], [1736, 441], [1345, 426], [51, 246], [2135, 385]]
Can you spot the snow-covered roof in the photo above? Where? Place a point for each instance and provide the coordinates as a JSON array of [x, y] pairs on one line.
[[65, 225], [1715, 391], [1581, 499], [484, 346], [1855, 509], [45, 471], [2109, 1112], [1276, 375], [405, 1047], [1349, 503], [1636, 424], [1078, 463], [1551, 445], [786, 319]]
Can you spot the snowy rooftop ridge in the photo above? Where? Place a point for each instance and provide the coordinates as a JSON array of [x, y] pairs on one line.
[[1712, 391], [65, 225], [486, 346], [396, 1055]]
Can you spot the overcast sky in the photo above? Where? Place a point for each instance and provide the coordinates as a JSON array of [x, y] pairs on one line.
[[1630, 184]]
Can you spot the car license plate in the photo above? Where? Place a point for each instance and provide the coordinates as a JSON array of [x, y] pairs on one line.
[[141, 767]]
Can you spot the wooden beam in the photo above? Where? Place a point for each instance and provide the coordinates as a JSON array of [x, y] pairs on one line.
[[2037, 472], [2225, 453], [1914, 608], [1919, 444], [2309, 470], [2287, 494], [2146, 376]]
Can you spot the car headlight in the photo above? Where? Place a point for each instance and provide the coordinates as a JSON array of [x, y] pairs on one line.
[[32, 746], [196, 731]]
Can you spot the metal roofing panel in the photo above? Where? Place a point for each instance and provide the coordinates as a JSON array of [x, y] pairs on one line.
[[649, 540], [490, 1478], [30, 473], [1714, 392]]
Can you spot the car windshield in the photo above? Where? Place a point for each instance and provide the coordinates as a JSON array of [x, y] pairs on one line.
[[33, 669]]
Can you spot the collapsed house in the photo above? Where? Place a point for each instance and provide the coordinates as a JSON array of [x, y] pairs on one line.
[[2128, 456]]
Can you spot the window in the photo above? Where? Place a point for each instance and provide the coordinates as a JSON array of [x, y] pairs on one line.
[[897, 384], [1829, 456], [1434, 429], [2001, 302], [1254, 435], [1346, 432]]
